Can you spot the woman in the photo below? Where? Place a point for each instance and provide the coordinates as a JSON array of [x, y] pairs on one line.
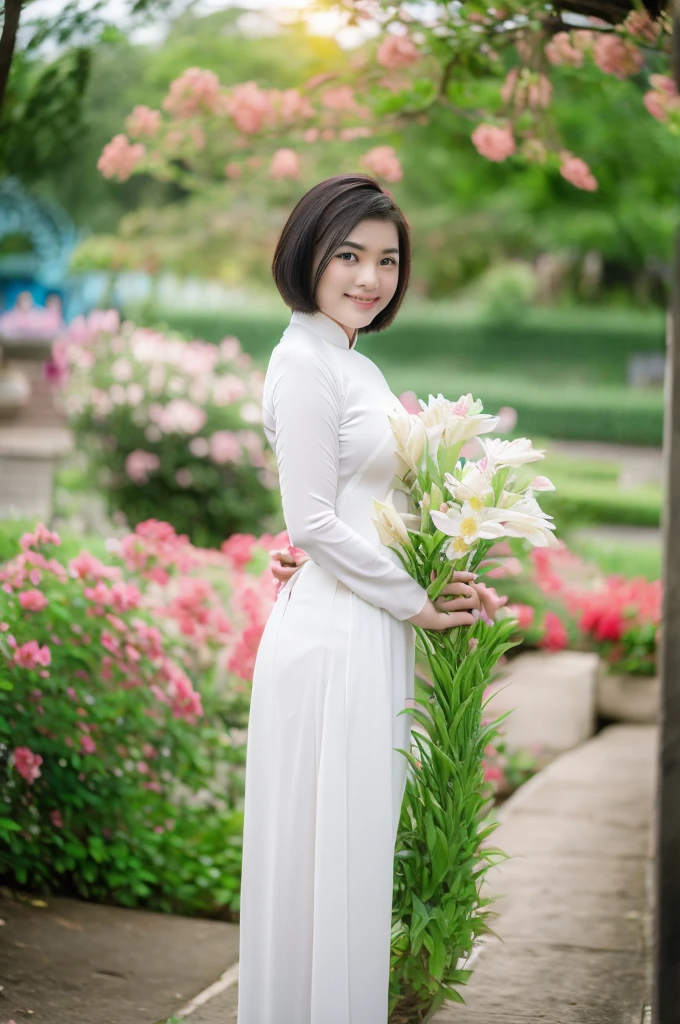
[[335, 666]]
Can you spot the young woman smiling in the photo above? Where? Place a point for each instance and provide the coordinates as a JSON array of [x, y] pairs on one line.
[[335, 666]]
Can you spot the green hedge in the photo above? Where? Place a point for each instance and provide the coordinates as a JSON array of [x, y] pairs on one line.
[[564, 371], [583, 346], [578, 502]]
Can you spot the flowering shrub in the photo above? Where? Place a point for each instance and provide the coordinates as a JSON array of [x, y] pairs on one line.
[[622, 619], [562, 601], [169, 424], [122, 714]]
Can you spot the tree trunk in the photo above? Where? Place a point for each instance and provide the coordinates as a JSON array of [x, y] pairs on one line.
[[8, 41]]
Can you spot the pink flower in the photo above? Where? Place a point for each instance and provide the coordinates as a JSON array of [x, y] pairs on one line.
[[224, 447], [383, 162], [239, 549], [577, 172], [40, 537], [492, 772], [493, 143], [561, 51], [55, 817], [139, 464], [87, 744], [33, 600], [250, 107], [233, 170], [285, 164], [507, 419], [663, 99], [662, 83], [185, 701], [143, 121], [616, 56], [409, 400], [27, 764], [524, 614], [125, 596], [120, 157], [542, 483], [86, 566], [396, 52], [639, 24], [181, 417], [30, 655], [339, 98], [555, 637], [195, 90]]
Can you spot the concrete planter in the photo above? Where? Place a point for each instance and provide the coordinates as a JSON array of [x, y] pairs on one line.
[[552, 701], [627, 698]]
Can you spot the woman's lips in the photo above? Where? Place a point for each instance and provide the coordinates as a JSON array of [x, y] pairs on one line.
[[362, 302]]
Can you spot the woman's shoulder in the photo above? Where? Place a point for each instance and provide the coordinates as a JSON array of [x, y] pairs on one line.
[[301, 348]]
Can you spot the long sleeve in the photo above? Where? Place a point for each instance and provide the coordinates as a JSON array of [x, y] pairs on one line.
[[306, 401]]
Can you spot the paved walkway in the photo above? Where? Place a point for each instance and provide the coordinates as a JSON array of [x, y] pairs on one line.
[[70, 962], [574, 922]]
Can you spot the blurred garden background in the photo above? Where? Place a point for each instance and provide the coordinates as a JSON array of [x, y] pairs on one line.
[[138, 316]]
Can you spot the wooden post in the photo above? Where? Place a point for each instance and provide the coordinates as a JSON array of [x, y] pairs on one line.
[[666, 997]]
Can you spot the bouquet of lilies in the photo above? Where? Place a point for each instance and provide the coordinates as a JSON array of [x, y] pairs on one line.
[[458, 507]]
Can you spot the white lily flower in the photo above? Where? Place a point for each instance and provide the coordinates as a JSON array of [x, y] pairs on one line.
[[466, 524], [411, 437], [527, 505], [534, 528], [459, 421], [389, 523], [471, 482], [511, 453]]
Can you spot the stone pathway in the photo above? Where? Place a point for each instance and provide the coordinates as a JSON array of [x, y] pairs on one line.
[[71, 962], [575, 920]]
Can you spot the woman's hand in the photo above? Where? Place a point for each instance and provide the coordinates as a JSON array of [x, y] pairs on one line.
[[285, 563], [455, 606], [491, 601]]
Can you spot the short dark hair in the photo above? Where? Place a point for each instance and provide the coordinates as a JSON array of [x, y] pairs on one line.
[[324, 217]]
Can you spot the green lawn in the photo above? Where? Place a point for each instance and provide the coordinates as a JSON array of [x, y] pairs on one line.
[[641, 558]]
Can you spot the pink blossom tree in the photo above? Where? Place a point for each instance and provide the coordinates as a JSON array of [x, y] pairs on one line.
[[494, 70]]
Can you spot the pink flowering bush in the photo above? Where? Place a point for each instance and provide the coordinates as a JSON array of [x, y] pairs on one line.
[[169, 424], [559, 601], [123, 706]]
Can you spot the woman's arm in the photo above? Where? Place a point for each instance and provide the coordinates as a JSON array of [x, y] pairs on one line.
[[307, 401]]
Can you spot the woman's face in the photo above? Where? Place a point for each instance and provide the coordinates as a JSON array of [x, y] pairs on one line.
[[362, 276]]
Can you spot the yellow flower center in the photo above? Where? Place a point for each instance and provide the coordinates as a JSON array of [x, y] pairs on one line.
[[459, 545], [476, 503], [468, 528]]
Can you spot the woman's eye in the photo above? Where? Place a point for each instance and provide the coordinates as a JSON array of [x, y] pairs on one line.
[[387, 259]]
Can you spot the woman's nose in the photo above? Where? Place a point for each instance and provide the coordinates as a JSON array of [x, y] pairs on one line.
[[367, 276]]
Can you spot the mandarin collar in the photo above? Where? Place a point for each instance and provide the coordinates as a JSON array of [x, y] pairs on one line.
[[322, 325]]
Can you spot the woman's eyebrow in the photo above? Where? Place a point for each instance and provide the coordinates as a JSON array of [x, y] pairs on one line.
[[355, 245]]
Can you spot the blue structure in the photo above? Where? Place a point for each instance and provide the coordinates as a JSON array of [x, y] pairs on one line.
[[42, 268]]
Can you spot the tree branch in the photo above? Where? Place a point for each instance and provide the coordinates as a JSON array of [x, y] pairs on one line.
[[8, 41]]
